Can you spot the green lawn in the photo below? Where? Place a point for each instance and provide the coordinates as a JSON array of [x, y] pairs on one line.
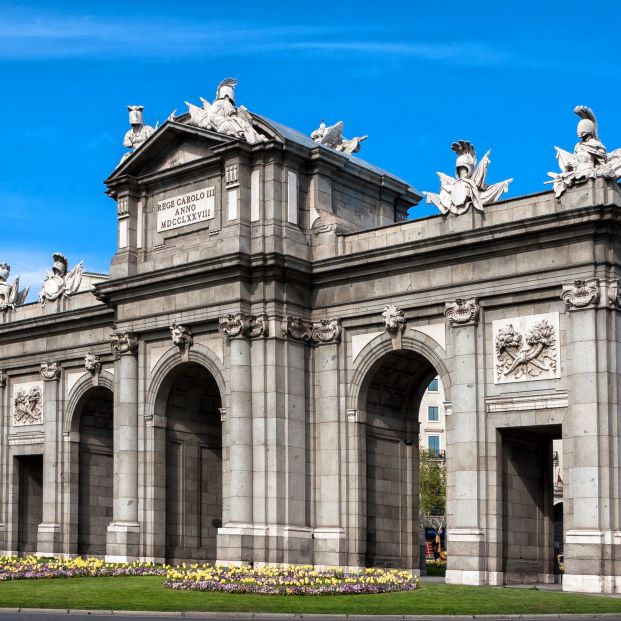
[[146, 593]]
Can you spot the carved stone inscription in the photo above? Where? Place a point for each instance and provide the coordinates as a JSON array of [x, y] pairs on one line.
[[186, 209], [526, 348], [28, 404]]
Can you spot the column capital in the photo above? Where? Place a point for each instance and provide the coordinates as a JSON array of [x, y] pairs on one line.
[[462, 312], [3, 377], [50, 371], [243, 325], [319, 332], [124, 344], [581, 294]]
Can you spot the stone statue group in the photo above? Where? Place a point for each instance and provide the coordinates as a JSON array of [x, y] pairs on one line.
[[468, 188]]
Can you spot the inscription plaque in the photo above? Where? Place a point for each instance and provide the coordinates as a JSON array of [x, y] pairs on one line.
[[186, 209]]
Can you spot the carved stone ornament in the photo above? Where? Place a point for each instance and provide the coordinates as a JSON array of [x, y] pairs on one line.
[[241, 324], [581, 294], [224, 117], [2, 379], [326, 331], [123, 343], [50, 370], [462, 311], [590, 159], [526, 348], [92, 363], [296, 328], [59, 282], [182, 338], [333, 137], [468, 188], [10, 295], [394, 319], [613, 291], [28, 406]]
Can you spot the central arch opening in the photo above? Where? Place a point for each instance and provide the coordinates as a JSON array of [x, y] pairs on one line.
[[396, 384], [193, 465], [96, 470]]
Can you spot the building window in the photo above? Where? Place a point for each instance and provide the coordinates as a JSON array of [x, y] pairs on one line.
[[433, 385], [433, 444], [432, 413]]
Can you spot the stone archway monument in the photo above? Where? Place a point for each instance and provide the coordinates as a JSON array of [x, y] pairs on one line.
[[280, 273]]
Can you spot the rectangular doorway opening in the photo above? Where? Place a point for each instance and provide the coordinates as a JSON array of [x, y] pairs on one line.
[[30, 502], [528, 493]]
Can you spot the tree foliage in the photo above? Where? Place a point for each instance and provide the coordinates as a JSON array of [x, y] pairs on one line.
[[432, 484]]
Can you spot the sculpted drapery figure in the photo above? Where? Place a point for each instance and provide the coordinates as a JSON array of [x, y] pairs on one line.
[[10, 295], [469, 186], [59, 282], [139, 132], [589, 159], [223, 116], [333, 137]]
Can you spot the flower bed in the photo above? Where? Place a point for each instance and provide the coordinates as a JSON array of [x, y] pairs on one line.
[[288, 580], [34, 567]]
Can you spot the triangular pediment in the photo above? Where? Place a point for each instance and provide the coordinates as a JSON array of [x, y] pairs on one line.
[[173, 144], [176, 143]]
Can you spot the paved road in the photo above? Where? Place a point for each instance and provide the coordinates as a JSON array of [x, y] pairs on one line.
[[81, 616]]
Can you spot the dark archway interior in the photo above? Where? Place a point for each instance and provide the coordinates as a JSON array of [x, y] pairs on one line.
[[96, 470], [528, 503], [396, 385], [193, 465], [30, 501]]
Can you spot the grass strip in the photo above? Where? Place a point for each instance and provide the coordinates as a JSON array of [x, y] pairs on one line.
[[147, 593]]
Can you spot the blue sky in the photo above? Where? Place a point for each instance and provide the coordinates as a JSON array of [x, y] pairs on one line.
[[414, 76]]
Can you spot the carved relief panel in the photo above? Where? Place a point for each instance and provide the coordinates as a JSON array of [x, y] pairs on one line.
[[27, 404], [526, 348]]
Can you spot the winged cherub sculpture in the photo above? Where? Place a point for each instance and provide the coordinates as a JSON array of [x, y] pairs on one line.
[[333, 137], [59, 282], [469, 186], [223, 116], [589, 159], [10, 295]]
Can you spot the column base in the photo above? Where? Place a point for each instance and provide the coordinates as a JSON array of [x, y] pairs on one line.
[[123, 542], [264, 544], [330, 547], [473, 577], [48, 539], [585, 583]]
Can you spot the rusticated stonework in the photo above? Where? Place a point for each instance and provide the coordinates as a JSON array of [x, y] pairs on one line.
[[526, 348]]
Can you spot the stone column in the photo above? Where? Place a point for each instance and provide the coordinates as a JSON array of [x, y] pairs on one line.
[[123, 538], [49, 535], [235, 541], [590, 440], [4, 414], [466, 545], [329, 531]]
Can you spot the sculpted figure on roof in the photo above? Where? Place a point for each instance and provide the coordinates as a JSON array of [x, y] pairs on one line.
[[468, 187], [10, 295], [223, 116], [589, 159], [139, 132], [333, 137], [59, 282]]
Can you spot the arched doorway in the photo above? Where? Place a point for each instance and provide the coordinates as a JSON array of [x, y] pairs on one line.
[[96, 470], [391, 397], [193, 463]]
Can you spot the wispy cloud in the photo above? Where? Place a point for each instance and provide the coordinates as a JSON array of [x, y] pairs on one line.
[[25, 35]]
